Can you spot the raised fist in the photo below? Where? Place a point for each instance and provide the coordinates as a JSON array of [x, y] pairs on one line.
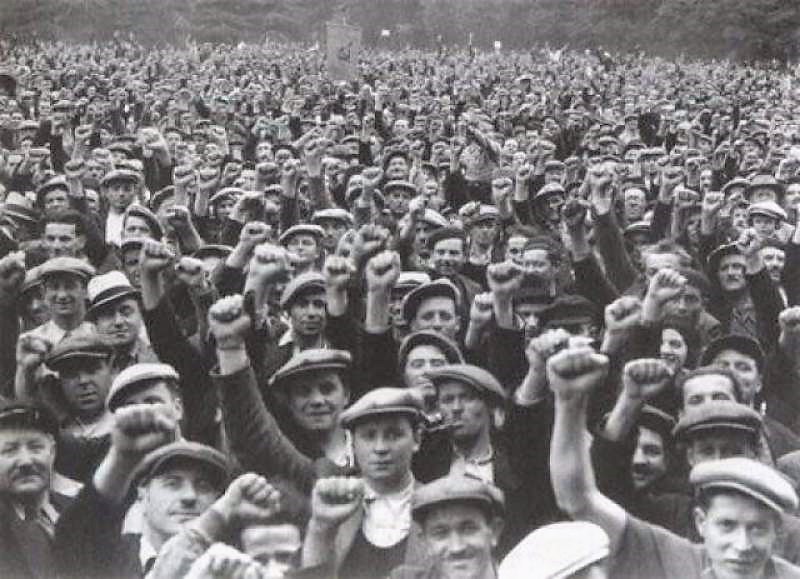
[[502, 188], [575, 372], [337, 271], [221, 561], [713, 202], [253, 233], [142, 428], [623, 314], [371, 177], [482, 309], [574, 213], [334, 499], [270, 263], [383, 271], [83, 133], [12, 273], [524, 173], [155, 257], [665, 285], [229, 322], [73, 169], [183, 176], [190, 271], [249, 499], [545, 345], [749, 243], [369, 240], [417, 206], [31, 351], [178, 217], [504, 278], [644, 378]]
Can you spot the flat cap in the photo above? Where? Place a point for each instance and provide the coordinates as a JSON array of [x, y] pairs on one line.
[[484, 383], [767, 209], [764, 182], [433, 218], [446, 233], [332, 214], [303, 282], [213, 250], [433, 338], [742, 344], [160, 196], [33, 279], [657, 420], [439, 288], [185, 451], [733, 183], [149, 217], [568, 309], [78, 347], [408, 280], [311, 360], [69, 265], [17, 414], [456, 489], [747, 476], [718, 414], [556, 551], [383, 401], [57, 182], [133, 375], [301, 229], [121, 175], [716, 257], [548, 191], [108, 288]]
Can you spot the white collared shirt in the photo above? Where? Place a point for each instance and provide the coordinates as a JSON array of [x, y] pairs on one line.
[[147, 553], [387, 518]]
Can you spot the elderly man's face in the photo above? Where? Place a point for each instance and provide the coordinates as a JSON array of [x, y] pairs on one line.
[[26, 463], [467, 413], [85, 384], [706, 388], [774, 259], [744, 368], [437, 313], [460, 537], [120, 322], [731, 273]]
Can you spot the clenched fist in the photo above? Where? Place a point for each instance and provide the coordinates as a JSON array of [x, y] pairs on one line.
[[575, 372], [644, 378], [229, 322], [334, 499]]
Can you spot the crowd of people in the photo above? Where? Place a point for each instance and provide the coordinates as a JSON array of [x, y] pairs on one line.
[[468, 314]]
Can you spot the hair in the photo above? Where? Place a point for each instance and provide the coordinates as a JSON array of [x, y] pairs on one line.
[[693, 340], [666, 246], [68, 216], [710, 371]]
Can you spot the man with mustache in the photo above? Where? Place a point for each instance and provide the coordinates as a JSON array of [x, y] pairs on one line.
[[28, 508]]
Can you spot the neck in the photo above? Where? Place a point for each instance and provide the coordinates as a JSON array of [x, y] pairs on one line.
[[306, 341], [739, 297], [387, 487], [155, 538], [30, 500], [476, 448], [69, 322]]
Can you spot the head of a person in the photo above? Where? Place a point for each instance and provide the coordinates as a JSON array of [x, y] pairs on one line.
[[448, 251], [741, 356], [27, 451], [31, 303], [275, 544], [396, 166], [139, 222], [550, 199], [680, 347], [54, 196], [707, 384], [385, 424], [315, 388], [177, 483], [515, 246], [718, 429], [130, 255], [791, 200], [541, 259], [398, 195], [483, 226], [406, 282], [115, 310], [685, 308], [422, 352], [334, 226], [461, 520], [469, 398], [146, 383], [433, 306], [664, 254], [773, 255], [305, 301], [573, 313], [740, 506], [652, 455], [64, 233], [64, 280], [304, 243], [634, 204], [727, 264], [83, 364], [120, 189]]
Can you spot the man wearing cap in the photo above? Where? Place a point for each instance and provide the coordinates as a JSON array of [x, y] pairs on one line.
[[304, 244], [29, 508], [177, 484], [83, 365], [115, 310], [460, 519], [735, 496], [364, 527], [334, 222], [120, 188], [448, 247]]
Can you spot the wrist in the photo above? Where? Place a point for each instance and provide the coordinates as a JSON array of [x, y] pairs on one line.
[[232, 359]]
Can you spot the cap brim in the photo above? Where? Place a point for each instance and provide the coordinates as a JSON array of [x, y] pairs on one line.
[[386, 410], [281, 380], [744, 489], [99, 305]]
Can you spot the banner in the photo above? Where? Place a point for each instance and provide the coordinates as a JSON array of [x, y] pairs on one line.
[[343, 48]]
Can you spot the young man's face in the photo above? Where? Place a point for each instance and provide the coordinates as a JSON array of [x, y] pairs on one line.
[[304, 248], [421, 359], [718, 444], [635, 205], [774, 259], [130, 266], [120, 194], [744, 368], [26, 462], [739, 535], [673, 350], [383, 448], [706, 388], [136, 227], [460, 538], [316, 400], [537, 262], [119, 323], [468, 415], [62, 240], [275, 547], [65, 294], [56, 200], [686, 307], [85, 385], [177, 496], [437, 313], [308, 312], [764, 226], [447, 257], [649, 459], [334, 229], [514, 249], [155, 392]]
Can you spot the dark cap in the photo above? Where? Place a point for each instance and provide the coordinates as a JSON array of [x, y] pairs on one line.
[[66, 265], [568, 309], [381, 402], [446, 233], [456, 489], [182, 450], [718, 415], [136, 374], [16, 414], [448, 347], [86, 347], [310, 280], [439, 288], [742, 344], [312, 360]]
